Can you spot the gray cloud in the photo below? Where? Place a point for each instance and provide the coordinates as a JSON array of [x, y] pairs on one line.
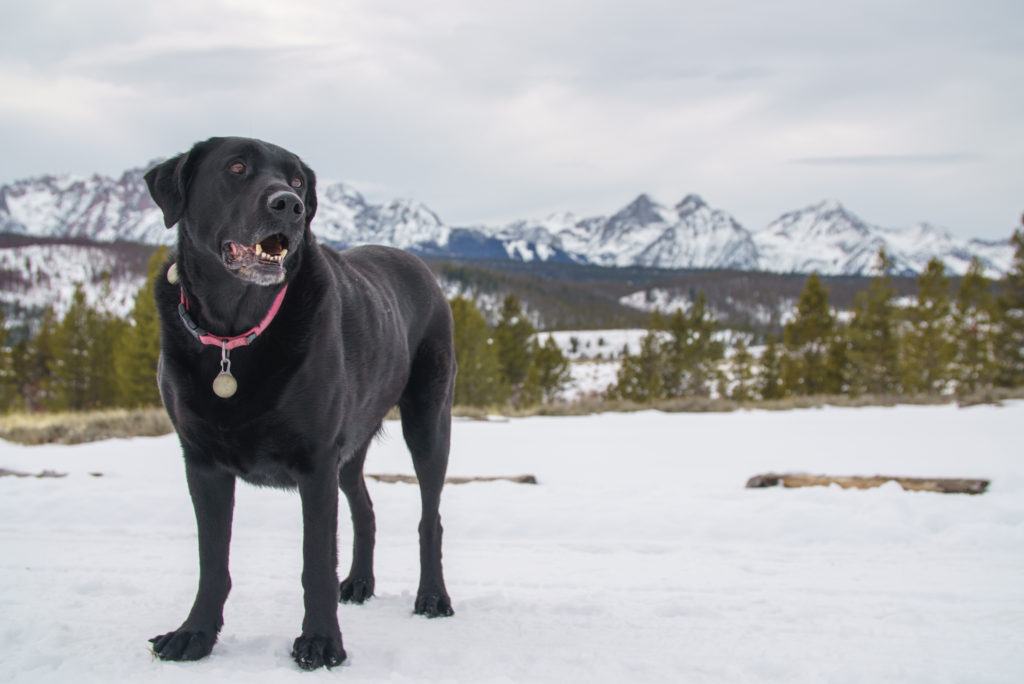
[[892, 160], [488, 111]]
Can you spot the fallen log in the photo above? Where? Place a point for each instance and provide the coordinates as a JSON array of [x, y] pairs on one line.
[[4, 472], [411, 479], [941, 485]]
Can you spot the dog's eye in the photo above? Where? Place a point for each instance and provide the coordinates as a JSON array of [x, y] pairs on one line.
[[296, 182], [237, 167]]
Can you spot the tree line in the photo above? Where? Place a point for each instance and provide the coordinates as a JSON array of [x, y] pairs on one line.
[[92, 359], [88, 359], [942, 341]]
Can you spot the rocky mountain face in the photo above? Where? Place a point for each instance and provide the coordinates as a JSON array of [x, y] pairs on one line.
[[824, 237]]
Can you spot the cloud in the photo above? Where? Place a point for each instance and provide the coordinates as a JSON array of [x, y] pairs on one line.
[[892, 160], [487, 111]]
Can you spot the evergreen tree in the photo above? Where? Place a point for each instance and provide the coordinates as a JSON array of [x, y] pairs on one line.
[[82, 364], [691, 352], [548, 373], [106, 332], [138, 348], [975, 331], [73, 363], [37, 375], [512, 338], [20, 365], [478, 382], [8, 385], [743, 377], [640, 377], [769, 378], [807, 338], [1009, 340], [928, 344], [874, 344]]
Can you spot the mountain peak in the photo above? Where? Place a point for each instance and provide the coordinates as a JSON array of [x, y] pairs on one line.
[[690, 204], [642, 211]]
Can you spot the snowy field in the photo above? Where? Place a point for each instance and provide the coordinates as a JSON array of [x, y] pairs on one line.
[[639, 557]]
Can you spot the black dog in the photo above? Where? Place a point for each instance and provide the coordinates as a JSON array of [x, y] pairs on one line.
[[307, 351]]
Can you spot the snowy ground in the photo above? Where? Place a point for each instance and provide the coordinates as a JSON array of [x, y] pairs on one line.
[[639, 557]]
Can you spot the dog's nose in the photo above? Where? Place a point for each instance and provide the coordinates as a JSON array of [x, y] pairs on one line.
[[287, 205]]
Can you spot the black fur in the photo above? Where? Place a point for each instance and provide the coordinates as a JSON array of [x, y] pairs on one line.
[[358, 332]]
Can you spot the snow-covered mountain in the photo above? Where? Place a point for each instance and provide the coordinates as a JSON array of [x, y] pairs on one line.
[[95, 208], [825, 237], [831, 240], [643, 233]]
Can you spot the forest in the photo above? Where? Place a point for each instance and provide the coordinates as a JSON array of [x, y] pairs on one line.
[[943, 337]]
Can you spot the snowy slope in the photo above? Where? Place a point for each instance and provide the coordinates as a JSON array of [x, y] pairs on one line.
[[38, 276], [639, 557]]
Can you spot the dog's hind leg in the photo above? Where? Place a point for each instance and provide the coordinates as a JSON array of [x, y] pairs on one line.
[[358, 586], [426, 426]]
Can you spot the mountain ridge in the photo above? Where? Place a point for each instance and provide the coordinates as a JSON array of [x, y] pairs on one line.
[[824, 237]]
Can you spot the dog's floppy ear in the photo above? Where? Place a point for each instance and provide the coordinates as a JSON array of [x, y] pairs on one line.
[[310, 198], [168, 183]]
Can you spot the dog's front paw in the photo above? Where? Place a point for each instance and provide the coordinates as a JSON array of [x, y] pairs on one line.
[[183, 644], [356, 590], [314, 652], [433, 605]]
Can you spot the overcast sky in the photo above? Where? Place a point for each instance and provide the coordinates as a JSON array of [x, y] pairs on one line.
[[488, 111]]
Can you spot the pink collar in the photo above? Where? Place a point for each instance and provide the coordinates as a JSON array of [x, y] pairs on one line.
[[228, 343]]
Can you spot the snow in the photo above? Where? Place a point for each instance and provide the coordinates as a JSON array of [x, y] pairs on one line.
[[639, 557], [50, 274]]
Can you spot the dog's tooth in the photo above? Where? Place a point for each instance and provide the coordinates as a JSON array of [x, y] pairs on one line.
[[282, 254], [259, 248]]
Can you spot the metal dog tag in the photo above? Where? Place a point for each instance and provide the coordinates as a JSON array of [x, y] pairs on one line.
[[225, 385]]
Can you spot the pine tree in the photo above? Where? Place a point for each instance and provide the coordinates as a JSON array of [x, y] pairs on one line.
[[874, 343], [37, 374], [691, 352], [640, 377], [83, 358], [1009, 340], [742, 363], [928, 344], [106, 332], [837, 362], [975, 331], [478, 382], [807, 339], [8, 385], [138, 348], [20, 365], [512, 337], [548, 374], [769, 378], [73, 363]]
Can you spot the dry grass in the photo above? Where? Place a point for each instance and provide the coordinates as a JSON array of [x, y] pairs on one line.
[[80, 427], [76, 428]]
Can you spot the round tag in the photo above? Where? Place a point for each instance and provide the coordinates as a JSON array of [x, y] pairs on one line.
[[225, 385]]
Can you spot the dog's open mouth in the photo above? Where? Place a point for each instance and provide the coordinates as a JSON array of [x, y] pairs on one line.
[[262, 263]]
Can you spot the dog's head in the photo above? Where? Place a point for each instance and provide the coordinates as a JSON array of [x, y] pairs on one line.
[[244, 202]]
